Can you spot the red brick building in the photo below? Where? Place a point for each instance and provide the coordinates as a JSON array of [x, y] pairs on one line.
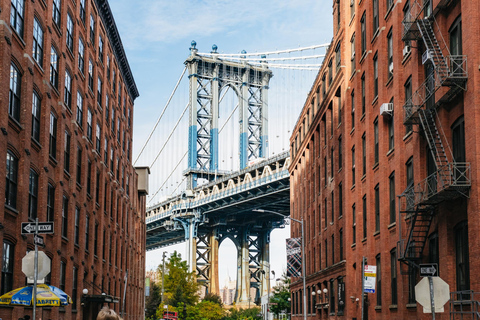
[[380, 167], [66, 144]]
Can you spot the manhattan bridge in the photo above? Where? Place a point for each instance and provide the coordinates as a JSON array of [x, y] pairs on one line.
[[219, 151]]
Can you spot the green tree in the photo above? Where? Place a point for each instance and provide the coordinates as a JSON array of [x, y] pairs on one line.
[[215, 298], [281, 293], [181, 286], [153, 301], [205, 310], [242, 314]]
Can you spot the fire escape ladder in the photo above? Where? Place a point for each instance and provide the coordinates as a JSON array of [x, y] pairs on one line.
[[417, 235], [434, 51], [434, 135]]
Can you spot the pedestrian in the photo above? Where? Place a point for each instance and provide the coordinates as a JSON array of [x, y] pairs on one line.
[[108, 314]]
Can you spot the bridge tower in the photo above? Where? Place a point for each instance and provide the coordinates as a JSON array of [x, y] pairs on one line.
[[208, 76]]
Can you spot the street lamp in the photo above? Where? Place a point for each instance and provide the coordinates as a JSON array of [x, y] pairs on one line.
[[303, 255], [267, 277], [163, 272]]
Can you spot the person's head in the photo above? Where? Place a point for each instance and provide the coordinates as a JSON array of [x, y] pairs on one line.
[[26, 317], [108, 314]]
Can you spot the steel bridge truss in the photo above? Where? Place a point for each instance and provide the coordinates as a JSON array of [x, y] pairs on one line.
[[208, 76]]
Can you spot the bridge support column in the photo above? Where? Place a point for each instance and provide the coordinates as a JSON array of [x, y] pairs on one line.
[[243, 273], [214, 286], [191, 247], [265, 264]]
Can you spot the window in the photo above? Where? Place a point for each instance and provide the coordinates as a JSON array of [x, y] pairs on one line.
[[458, 140], [326, 253], [7, 266], [114, 83], [389, 4], [89, 124], [352, 59], [98, 138], [331, 161], [16, 16], [364, 215], [352, 96], [352, 9], [92, 29], [340, 200], [90, 74], [363, 94], [100, 48], [77, 231], [353, 166], [375, 76], [54, 68], [37, 42], [95, 240], [50, 202], [391, 180], [330, 72], [66, 159], [363, 23], [461, 256], [32, 195], [79, 109], [391, 131], [340, 153], [333, 206], [63, 269], [113, 119], [390, 53], [108, 68], [79, 165], [364, 155], [412, 282], [378, 263], [14, 93], [81, 55], [375, 133], [325, 210], [36, 116], [56, 12], [99, 92], [333, 248], [375, 16], [97, 187], [324, 86], [89, 177], [53, 136], [408, 102], [105, 151], [332, 297], [433, 249], [87, 232], [65, 217], [409, 167], [354, 225], [338, 55], [69, 33], [74, 288], [377, 208], [456, 50], [82, 11], [393, 272], [68, 90], [427, 4], [325, 171]]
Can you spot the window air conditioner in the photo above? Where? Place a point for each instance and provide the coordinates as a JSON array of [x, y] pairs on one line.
[[406, 50], [425, 56], [386, 109], [390, 67]]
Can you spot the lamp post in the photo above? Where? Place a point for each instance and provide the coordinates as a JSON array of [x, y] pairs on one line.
[[267, 277], [303, 255], [163, 272]]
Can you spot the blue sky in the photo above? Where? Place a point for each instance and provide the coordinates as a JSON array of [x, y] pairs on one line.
[[157, 35]]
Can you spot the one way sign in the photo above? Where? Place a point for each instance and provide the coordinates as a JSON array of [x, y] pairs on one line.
[[429, 270], [43, 227]]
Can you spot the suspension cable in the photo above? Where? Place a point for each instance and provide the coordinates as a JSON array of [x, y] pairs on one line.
[[270, 52], [161, 115], [279, 59], [170, 135]]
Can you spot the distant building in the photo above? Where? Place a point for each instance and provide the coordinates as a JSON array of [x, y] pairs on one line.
[[383, 159], [227, 292], [155, 276], [66, 121]]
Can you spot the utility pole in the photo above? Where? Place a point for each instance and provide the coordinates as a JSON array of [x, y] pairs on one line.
[[163, 273]]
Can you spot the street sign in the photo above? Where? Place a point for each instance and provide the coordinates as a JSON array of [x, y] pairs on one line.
[[370, 276], [43, 227], [38, 240], [429, 270], [43, 266], [440, 293]]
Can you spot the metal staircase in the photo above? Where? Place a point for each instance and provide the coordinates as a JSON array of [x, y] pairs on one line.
[[464, 305], [451, 180]]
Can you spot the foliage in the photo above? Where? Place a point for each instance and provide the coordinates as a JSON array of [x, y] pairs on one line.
[[281, 294], [153, 301], [242, 314], [160, 310], [205, 310], [180, 285], [215, 298]]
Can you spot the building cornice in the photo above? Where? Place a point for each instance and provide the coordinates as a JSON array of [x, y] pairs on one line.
[[116, 42]]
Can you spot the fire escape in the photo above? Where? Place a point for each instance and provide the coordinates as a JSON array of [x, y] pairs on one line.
[[451, 179]]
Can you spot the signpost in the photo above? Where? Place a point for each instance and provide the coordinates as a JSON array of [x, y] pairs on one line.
[[432, 293], [429, 270], [35, 229]]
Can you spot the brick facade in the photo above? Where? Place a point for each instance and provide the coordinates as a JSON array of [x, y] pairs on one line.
[[382, 158], [97, 209]]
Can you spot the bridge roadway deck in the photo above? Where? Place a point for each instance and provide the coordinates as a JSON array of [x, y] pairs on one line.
[[225, 203]]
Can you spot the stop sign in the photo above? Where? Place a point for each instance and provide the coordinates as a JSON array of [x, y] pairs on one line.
[[28, 266], [441, 294]]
